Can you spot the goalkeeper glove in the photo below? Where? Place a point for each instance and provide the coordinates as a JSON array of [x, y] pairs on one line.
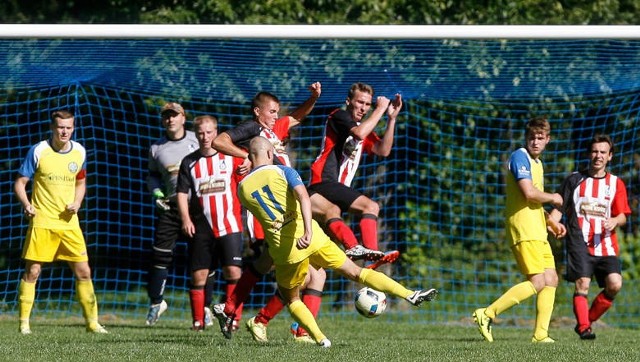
[[161, 201]]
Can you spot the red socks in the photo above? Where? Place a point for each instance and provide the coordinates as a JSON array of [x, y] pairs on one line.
[[342, 233], [369, 231]]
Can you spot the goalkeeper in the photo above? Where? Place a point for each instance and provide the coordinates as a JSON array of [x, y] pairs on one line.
[[165, 156]]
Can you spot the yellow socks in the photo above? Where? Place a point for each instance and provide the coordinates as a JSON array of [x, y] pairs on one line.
[[302, 315], [383, 283], [544, 308], [26, 296], [511, 297], [87, 299]]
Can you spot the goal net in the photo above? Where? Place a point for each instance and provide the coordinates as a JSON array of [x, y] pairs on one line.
[[441, 190]]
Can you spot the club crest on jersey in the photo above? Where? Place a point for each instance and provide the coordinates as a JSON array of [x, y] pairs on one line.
[[73, 167], [222, 165]]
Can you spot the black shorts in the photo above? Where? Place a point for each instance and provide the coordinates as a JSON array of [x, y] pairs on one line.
[[584, 265], [337, 193], [207, 251], [168, 230]]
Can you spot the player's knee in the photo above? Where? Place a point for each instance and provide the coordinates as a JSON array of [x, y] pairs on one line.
[[162, 259], [231, 272]]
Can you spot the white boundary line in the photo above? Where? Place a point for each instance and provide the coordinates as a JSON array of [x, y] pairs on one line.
[[123, 31]]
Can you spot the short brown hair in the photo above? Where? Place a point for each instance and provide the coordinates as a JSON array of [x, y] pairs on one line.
[[601, 138], [362, 87], [202, 119], [537, 125], [60, 114], [263, 97]]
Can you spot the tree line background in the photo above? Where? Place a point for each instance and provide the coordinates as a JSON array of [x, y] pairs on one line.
[[433, 12]]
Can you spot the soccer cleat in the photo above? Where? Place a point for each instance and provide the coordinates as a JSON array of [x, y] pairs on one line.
[[484, 324], [300, 337], [155, 311], [305, 338], [587, 334], [325, 343], [24, 328], [225, 321], [96, 328], [197, 326], [235, 325], [294, 328], [257, 330], [389, 257], [208, 317], [543, 340], [419, 296], [359, 252]]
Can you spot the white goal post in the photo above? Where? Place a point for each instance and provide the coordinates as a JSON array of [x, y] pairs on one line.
[[166, 31]]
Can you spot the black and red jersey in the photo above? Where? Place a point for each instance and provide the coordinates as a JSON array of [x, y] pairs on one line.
[[243, 133], [341, 152]]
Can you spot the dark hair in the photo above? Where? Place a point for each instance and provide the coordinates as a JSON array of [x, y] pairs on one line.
[[537, 125], [263, 97], [60, 114], [362, 87], [600, 138]]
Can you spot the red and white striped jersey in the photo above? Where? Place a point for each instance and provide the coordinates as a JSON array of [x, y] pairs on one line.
[[588, 203], [212, 182]]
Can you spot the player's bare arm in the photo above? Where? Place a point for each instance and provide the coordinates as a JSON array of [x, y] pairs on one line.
[[305, 206], [383, 147], [533, 195], [81, 189], [305, 108], [611, 223], [554, 226], [183, 209], [369, 124], [20, 189], [223, 143]]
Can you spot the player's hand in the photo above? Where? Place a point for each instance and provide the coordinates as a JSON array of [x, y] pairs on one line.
[[610, 224], [382, 102], [394, 107], [188, 228], [163, 204], [315, 89], [29, 211], [72, 208], [245, 167], [556, 200], [556, 229], [304, 241]]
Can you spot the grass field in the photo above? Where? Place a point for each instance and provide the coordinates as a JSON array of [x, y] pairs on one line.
[[353, 340]]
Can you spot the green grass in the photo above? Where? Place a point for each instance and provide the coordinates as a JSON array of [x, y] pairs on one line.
[[353, 340]]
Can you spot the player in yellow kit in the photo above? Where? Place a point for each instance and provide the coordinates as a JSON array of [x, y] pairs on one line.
[[527, 224], [57, 167], [276, 196]]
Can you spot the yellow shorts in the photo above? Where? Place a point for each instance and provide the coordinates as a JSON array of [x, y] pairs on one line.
[[329, 256], [47, 245], [533, 256]]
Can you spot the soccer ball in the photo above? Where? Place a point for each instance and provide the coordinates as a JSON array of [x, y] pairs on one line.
[[370, 303]]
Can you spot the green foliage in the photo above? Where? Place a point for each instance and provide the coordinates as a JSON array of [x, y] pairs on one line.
[[504, 12]]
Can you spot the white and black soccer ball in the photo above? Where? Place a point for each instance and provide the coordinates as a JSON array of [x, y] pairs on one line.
[[370, 303]]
